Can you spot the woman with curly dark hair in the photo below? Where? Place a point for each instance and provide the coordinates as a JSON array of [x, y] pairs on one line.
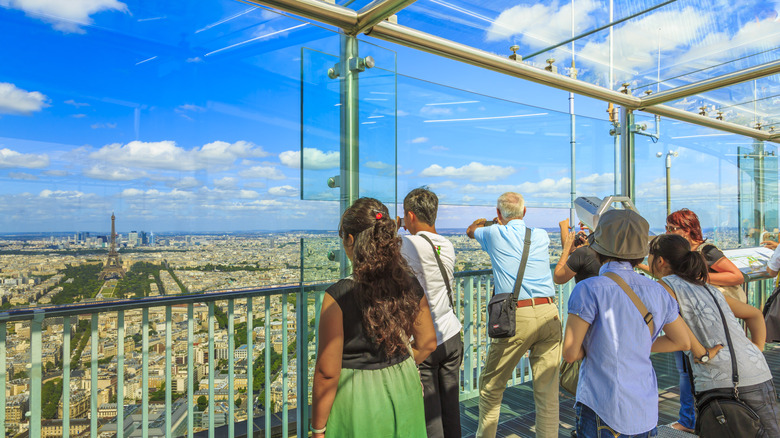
[[374, 327]]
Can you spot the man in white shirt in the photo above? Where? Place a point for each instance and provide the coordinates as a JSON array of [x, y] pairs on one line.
[[440, 372]]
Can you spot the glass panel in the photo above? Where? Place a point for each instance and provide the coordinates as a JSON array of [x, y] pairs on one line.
[[320, 126], [377, 91], [703, 177], [470, 148], [758, 190]]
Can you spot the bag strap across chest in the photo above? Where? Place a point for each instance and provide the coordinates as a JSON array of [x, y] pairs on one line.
[[444, 275], [523, 262], [640, 306]]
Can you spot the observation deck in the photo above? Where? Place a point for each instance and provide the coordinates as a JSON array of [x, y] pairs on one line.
[[228, 136]]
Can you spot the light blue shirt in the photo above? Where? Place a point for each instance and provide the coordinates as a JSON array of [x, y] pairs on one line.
[[504, 244], [701, 314], [617, 379]]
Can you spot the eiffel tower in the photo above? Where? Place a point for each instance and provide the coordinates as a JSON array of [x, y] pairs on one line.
[[113, 266]]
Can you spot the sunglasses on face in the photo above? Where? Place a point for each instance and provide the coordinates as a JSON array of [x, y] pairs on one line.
[[672, 228]]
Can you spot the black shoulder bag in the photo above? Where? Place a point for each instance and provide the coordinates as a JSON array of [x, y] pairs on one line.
[[441, 268], [501, 308], [721, 414]]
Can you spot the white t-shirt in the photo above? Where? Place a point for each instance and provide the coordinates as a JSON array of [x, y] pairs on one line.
[[419, 254], [774, 261]]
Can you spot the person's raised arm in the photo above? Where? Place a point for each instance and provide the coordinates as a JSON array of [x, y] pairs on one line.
[[563, 273], [754, 320], [675, 338], [576, 328], [726, 273], [424, 334], [476, 224], [328, 368]]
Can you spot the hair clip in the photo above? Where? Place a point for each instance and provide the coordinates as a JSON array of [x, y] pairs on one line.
[[378, 214]]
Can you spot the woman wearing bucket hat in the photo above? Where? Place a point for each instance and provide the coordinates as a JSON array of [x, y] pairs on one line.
[[617, 387]]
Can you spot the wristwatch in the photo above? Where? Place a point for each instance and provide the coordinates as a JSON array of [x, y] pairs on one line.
[[705, 357]]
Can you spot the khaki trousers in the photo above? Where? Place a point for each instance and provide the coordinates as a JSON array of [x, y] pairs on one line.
[[538, 329]]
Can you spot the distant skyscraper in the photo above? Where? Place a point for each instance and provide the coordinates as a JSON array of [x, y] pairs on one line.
[[151, 239], [113, 267], [132, 238], [144, 238]]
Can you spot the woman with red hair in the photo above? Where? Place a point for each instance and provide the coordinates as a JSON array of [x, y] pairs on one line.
[[722, 273]]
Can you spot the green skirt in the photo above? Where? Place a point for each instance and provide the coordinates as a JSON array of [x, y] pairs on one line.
[[379, 403]]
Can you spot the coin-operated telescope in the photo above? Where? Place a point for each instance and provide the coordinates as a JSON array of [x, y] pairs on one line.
[[590, 208]]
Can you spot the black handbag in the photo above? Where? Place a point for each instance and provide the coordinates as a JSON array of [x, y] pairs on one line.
[[720, 412], [501, 308]]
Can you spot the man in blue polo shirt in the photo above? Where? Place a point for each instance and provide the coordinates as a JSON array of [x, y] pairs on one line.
[[538, 328]]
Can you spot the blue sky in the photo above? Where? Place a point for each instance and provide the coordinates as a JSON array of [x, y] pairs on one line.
[[187, 117]]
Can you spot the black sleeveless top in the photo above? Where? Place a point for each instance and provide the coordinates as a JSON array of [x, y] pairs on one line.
[[360, 352]]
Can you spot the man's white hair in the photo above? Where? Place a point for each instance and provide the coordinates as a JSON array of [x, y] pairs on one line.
[[511, 205]]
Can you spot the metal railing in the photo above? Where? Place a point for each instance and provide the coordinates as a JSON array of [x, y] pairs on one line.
[[115, 319]]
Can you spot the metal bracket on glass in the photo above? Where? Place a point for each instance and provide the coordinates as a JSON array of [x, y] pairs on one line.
[[361, 64], [334, 181], [334, 255], [641, 129]]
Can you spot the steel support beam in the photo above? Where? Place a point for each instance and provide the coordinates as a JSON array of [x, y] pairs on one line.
[[377, 11], [626, 153], [736, 77], [350, 130], [685, 116], [347, 19]]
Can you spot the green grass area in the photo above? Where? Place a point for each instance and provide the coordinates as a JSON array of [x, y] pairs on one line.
[[84, 284], [136, 281]]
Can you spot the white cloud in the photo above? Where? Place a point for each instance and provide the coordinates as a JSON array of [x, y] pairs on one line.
[[78, 116], [56, 172], [435, 111], [248, 194], [65, 15], [443, 185], [225, 183], [76, 104], [285, 190], [189, 107], [439, 148], [419, 140], [154, 194], [22, 175], [378, 165], [262, 172], [314, 159], [10, 158], [255, 184], [168, 156], [15, 101], [538, 24], [473, 171], [188, 182], [548, 187], [111, 173], [103, 125]]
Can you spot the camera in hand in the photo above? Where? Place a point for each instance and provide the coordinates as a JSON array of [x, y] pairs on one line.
[[489, 223]]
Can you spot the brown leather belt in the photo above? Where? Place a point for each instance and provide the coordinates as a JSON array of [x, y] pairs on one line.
[[532, 301]]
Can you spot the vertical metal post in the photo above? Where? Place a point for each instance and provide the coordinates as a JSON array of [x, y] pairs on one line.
[[758, 184], [36, 373], [145, 373], [285, 404], [212, 364], [93, 420], [190, 371], [65, 378], [627, 153], [349, 184], [120, 374], [3, 367], [250, 363], [468, 336], [168, 364], [231, 370], [668, 183], [267, 367], [302, 353]]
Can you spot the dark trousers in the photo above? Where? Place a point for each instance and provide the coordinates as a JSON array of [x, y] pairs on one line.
[[440, 375]]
